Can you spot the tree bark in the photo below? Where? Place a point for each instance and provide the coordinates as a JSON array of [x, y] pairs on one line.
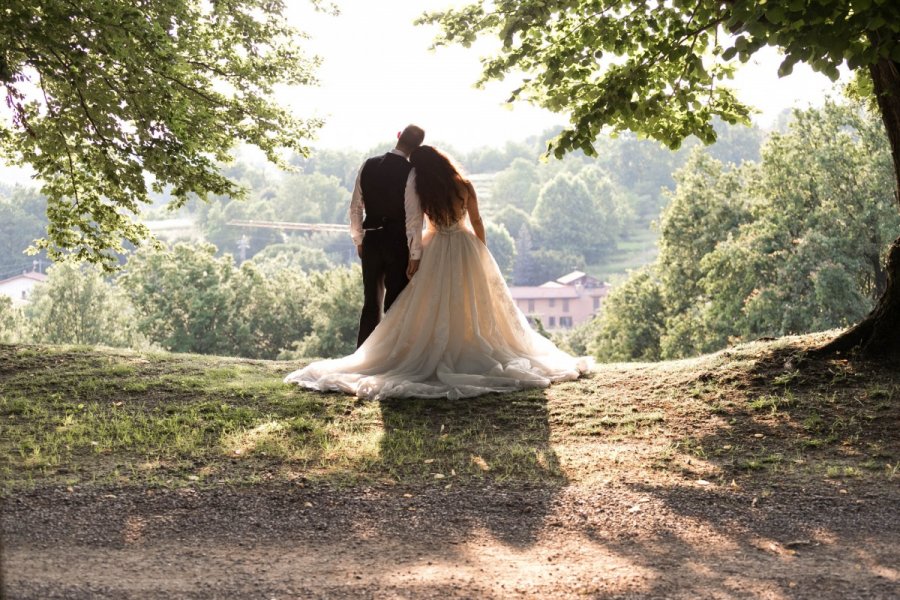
[[878, 335]]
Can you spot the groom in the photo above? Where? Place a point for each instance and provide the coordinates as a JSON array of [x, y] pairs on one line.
[[378, 211]]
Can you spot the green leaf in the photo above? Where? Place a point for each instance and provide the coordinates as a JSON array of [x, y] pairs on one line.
[[775, 14], [786, 67]]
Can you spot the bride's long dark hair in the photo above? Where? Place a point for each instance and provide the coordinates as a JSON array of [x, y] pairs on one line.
[[438, 184]]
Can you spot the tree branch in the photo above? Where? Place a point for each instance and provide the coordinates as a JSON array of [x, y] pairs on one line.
[[64, 141], [105, 142]]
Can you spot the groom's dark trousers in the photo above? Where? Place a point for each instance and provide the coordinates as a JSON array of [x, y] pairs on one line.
[[385, 256], [385, 251]]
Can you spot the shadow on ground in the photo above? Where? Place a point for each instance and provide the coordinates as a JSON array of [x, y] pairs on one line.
[[488, 440]]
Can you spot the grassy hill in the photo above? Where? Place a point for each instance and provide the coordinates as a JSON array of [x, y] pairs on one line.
[[639, 249], [76, 416]]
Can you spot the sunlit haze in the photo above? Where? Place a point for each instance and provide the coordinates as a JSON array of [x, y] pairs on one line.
[[378, 74]]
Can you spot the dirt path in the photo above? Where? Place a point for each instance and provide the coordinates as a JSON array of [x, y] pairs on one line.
[[618, 540]]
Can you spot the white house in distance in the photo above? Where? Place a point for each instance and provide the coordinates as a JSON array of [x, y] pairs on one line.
[[562, 304], [19, 287]]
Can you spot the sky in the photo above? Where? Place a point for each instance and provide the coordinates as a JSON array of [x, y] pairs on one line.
[[378, 75]]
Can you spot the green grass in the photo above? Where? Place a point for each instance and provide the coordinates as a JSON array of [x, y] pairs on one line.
[[638, 250], [772, 402], [75, 416]]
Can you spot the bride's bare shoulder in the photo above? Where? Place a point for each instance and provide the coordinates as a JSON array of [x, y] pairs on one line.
[[465, 188]]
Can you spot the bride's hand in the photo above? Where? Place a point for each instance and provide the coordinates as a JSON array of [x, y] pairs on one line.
[[412, 267]]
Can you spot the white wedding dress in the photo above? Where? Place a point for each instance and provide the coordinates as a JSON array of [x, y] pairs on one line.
[[454, 332]]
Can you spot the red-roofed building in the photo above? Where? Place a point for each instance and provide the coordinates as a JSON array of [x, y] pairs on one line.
[[19, 287], [564, 303]]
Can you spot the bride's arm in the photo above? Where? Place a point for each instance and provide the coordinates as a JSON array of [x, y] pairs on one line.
[[474, 215]]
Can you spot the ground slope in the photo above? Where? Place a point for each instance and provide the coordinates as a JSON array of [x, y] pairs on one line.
[[752, 473]]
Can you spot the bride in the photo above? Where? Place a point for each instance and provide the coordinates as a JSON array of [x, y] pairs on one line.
[[454, 331]]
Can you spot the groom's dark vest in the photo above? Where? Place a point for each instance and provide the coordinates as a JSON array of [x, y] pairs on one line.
[[383, 183]]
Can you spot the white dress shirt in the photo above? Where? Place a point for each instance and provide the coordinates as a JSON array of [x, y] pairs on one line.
[[411, 204]]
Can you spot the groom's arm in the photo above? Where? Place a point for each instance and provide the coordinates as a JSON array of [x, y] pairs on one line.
[[414, 223], [356, 214]]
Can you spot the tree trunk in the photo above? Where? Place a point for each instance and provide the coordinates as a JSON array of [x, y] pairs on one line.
[[878, 335]]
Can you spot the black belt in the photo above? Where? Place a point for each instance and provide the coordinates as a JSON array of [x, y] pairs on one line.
[[387, 225]]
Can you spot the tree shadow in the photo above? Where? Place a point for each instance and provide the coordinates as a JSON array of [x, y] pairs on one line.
[[496, 438], [801, 413], [787, 541], [790, 468]]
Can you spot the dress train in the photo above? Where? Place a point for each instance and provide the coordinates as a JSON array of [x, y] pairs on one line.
[[454, 332]]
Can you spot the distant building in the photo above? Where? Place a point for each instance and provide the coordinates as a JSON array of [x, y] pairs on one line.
[[19, 287], [564, 303]]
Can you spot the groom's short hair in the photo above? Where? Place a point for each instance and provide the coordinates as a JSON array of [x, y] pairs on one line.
[[412, 137]]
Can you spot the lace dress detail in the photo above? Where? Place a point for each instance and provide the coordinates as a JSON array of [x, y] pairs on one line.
[[454, 332]]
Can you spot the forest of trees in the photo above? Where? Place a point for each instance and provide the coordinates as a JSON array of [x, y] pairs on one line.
[[545, 217], [656, 69], [791, 244], [758, 235]]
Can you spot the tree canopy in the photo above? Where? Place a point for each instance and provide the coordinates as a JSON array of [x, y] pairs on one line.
[[109, 100], [77, 306], [657, 68], [789, 245], [187, 300]]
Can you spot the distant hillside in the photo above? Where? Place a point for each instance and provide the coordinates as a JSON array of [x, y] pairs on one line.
[[638, 248]]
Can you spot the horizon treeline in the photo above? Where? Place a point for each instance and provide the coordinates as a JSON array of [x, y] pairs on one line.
[[705, 246]]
